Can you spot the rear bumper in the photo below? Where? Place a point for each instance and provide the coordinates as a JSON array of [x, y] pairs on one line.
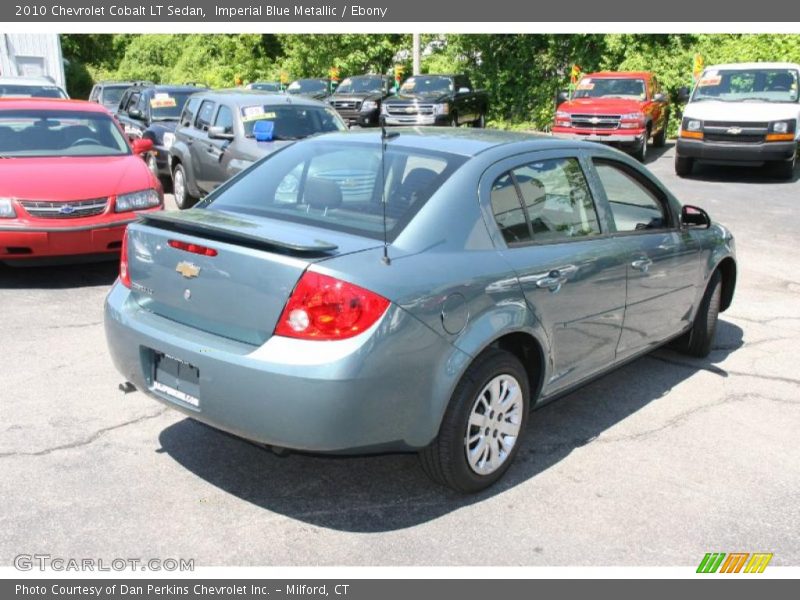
[[632, 137], [349, 396], [28, 243], [735, 153]]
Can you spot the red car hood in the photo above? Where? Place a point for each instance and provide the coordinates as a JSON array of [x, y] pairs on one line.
[[601, 106], [72, 178]]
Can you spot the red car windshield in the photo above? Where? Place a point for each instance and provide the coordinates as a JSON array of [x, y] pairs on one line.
[[32, 133], [609, 87]]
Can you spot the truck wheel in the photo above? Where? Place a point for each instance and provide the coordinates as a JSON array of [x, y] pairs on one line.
[[660, 139], [785, 169], [697, 341], [683, 166], [183, 199], [483, 426], [480, 122], [166, 183], [640, 153]]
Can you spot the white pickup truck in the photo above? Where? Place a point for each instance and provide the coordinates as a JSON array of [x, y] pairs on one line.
[[742, 114]]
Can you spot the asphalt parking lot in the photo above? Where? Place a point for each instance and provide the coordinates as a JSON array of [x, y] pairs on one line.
[[655, 464]]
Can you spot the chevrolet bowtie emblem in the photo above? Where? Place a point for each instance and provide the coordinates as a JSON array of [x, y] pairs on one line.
[[734, 130], [187, 269]]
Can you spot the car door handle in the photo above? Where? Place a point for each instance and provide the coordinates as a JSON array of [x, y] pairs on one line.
[[642, 264], [556, 278]]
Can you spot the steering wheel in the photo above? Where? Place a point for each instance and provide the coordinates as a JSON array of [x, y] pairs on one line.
[[84, 141]]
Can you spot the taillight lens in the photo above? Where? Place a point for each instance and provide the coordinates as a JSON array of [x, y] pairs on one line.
[[124, 274], [325, 308]]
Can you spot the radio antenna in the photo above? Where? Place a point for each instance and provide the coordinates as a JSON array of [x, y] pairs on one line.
[[385, 137]]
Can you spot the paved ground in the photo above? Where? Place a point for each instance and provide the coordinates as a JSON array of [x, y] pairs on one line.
[[655, 464]]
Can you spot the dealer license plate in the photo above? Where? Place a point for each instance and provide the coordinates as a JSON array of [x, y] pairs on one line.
[[177, 379]]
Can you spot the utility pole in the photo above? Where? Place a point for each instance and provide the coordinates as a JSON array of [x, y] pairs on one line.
[[415, 52]]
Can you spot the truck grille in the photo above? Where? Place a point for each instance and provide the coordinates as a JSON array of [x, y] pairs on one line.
[[408, 110], [347, 105], [596, 121], [46, 209], [725, 132], [733, 139], [743, 125]]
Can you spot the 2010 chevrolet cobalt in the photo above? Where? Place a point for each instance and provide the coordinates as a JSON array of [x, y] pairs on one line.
[[353, 293]]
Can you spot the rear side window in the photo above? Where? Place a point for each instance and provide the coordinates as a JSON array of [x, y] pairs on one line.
[[634, 206], [554, 199], [340, 186], [204, 115]]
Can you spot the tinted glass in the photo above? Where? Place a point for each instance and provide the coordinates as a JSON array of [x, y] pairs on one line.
[[189, 110], [59, 133], [557, 200], [112, 95], [508, 212], [205, 114], [266, 86], [356, 85], [427, 85], [339, 186], [224, 119], [292, 122], [167, 106], [633, 206], [307, 86]]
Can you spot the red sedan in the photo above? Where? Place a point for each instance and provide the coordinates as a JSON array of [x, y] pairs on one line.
[[70, 181]]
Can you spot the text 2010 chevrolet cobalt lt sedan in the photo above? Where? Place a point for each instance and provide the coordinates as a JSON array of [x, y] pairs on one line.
[[515, 268]]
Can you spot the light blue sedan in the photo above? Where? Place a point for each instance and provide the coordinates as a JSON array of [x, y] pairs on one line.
[[353, 293]]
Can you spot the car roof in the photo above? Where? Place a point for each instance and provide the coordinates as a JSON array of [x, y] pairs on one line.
[[51, 104], [619, 74], [244, 97], [461, 141], [755, 65]]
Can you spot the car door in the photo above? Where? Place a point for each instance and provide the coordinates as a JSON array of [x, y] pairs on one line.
[[218, 151], [663, 261], [203, 162], [464, 100], [570, 272]]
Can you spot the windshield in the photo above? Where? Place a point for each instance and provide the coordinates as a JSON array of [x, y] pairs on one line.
[[292, 122], [308, 86], [112, 95], [31, 91], [167, 106], [360, 85], [338, 186], [740, 85], [266, 86], [608, 87], [427, 85], [59, 133]]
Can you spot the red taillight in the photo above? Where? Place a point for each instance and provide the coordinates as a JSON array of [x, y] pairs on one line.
[[193, 248], [124, 274], [325, 308]]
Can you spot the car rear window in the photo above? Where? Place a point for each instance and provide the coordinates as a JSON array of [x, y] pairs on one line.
[[339, 186]]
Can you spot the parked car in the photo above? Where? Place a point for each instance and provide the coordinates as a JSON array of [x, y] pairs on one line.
[[436, 100], [265, 86], [358, 99], [152, 112], [515, 269], [70, 181], [317, 89], [30, 87], [745, 113], [624, 109], [220, 133], [109, 93]]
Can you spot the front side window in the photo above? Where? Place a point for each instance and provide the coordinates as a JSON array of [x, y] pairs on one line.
[[224, 119], [32, 133], [634, 207], [189, 111], [340, 186], [554, 199], [205, 114]]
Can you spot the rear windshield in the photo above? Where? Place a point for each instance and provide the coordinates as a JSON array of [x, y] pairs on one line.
[[59, 133], [339, 186], [292, 122], [31, 91]]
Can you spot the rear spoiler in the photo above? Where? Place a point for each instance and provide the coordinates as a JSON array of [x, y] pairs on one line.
[[225, 229]]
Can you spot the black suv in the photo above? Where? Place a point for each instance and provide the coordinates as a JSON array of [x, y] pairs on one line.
[[358, 99], [225, 131], [109, 93], [152, 112]]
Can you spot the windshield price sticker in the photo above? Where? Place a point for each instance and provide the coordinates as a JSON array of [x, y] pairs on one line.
[[710, 81], [163, 101], [255, 113], [585, 84]]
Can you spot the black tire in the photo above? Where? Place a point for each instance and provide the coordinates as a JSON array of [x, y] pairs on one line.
[[183, 199], [660, 139], [445, 459], [683, 166], [697, 341], [166, 182], [454, 120], [640, 153], [785, 169], [480, 122]]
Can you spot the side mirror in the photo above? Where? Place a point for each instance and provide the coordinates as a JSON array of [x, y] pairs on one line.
[[683, 94], [217, 132], [561, 97], [135, 113], [659, 97], [464, 90], [142, 145], [693, 216]]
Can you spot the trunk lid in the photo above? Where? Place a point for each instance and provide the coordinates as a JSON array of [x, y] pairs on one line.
[[240, 292]]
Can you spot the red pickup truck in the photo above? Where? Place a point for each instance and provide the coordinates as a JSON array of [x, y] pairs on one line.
[[625, 109]]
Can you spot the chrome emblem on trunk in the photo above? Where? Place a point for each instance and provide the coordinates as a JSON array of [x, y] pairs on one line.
[[187, 269]]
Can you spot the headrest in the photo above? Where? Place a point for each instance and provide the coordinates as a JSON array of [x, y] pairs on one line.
[[322, 193]]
